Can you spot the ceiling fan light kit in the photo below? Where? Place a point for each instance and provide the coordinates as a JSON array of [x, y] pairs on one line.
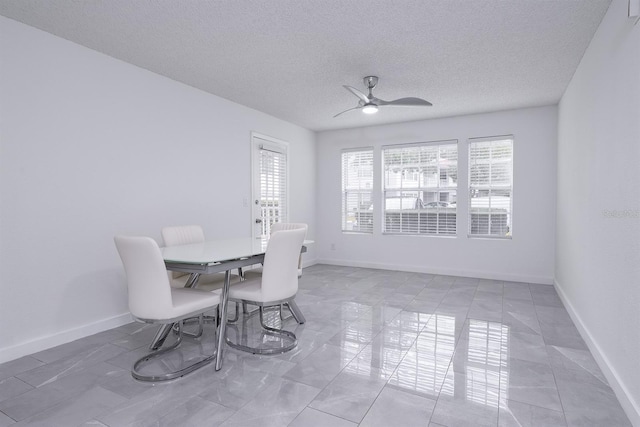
[[370, 109], [369, 104]]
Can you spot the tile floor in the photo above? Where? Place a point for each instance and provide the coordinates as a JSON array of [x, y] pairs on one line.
[[380, 348]]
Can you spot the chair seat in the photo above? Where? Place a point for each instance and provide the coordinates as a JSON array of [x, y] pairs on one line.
[[257, 271], [188, 301], [250, 289]]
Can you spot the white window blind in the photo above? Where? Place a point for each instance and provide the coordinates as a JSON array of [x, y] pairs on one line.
[[490, 186], [357, 185], [273, 185], [420, 188]]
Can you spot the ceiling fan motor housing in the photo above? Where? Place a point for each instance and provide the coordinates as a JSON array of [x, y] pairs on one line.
[[370, 81]]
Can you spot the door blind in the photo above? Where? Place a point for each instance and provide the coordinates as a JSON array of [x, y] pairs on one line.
[[273, 187]]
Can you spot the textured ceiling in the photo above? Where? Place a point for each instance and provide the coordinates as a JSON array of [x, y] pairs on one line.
[[291, 58]]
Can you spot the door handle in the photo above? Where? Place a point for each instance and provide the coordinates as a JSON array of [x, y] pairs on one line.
[[258, 221]]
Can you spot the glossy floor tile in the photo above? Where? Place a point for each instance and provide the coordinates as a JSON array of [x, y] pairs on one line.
[[379, 348]]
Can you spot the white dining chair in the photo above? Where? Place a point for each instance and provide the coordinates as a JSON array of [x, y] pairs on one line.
[[153, 300], [292, 306], [277, 285], [279, 226]]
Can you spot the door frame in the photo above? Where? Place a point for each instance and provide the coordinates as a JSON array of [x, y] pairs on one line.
[[258, 139]]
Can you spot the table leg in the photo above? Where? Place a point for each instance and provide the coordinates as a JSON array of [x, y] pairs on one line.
[[193, 280], [223, 320]]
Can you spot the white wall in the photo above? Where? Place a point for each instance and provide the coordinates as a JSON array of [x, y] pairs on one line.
[[528, 257], [598, 243], [91, 147]]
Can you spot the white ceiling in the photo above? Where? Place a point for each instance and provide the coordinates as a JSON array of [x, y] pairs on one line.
[[290, 58]]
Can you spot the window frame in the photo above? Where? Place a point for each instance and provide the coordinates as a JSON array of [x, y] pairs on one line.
[[345, 192], [489, 187], [437, 189]]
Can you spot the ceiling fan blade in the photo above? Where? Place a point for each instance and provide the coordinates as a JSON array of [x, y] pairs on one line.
[[378, 101], [357, 93], [354, 108], [407, 102]]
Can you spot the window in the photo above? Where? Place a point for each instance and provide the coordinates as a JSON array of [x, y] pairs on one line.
[[420, 182], [490, 186], [357, 183]]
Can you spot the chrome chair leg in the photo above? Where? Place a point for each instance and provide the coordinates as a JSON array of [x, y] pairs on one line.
[[135, 372], [282, 316], [199, 320], [295, 312], [160, 337], [280, 333], [245, 312], [235, 319]]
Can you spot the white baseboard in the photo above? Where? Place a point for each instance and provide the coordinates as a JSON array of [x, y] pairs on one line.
[[43, 343], [309, 263], [630, 406], [441, 271], [49, 341]]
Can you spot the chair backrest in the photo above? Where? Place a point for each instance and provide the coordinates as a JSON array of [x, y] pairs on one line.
[[280, 270], [279, 226], [147, 281], [182, 235]]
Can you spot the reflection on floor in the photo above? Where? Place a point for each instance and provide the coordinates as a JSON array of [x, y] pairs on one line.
[[380, 348]]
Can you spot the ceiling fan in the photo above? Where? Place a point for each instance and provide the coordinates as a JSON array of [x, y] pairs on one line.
[[369, 104]]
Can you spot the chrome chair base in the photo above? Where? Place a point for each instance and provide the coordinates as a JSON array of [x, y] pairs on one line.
[[200, 321], [143, 361], [284, 336], [295, 312], [290, 305]]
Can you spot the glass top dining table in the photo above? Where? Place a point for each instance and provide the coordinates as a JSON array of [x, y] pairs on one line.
[[214, 251], [214, 256]]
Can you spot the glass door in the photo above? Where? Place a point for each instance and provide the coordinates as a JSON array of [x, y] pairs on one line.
[[270, 184]]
